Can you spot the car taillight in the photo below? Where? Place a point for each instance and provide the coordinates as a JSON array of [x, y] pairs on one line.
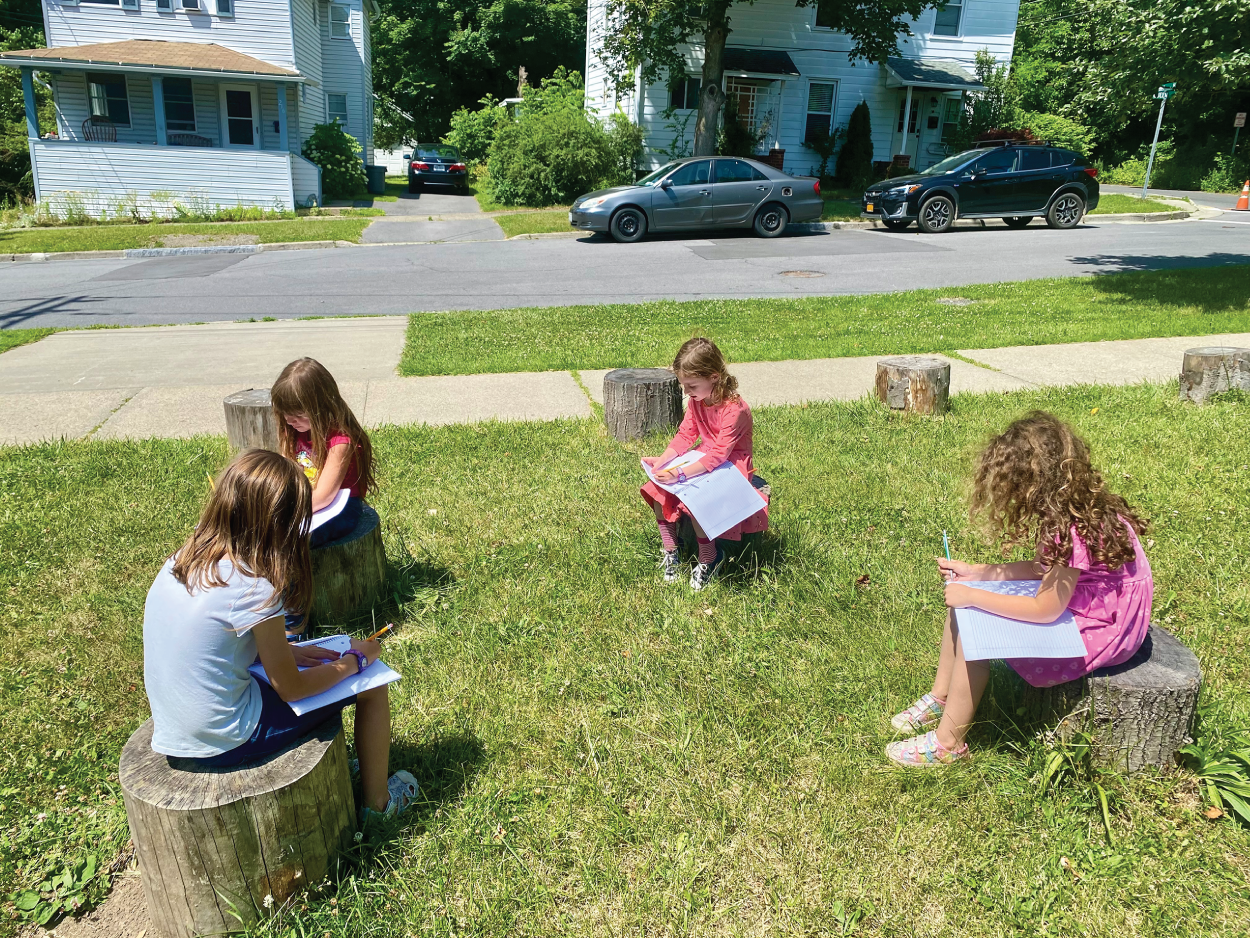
[[457, 168], [421, 167], [1091, 171], [816, 187]]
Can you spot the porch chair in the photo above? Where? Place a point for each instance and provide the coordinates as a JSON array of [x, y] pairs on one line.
[[99, 130], [189, 140]]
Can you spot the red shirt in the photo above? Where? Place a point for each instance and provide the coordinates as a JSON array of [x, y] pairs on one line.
[[725, 430], [305, 456]]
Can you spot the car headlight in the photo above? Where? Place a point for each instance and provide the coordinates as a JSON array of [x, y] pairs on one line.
[[901, 192], [592, 203]]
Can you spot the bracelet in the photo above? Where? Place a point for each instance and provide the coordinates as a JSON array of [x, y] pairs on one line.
[[681, 475], [361, 661]]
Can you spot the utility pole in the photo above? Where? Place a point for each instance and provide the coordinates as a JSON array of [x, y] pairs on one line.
[[1165, 91]]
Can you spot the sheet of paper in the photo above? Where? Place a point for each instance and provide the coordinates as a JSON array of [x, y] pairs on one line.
[[718, 499], [373, 676], [332, 510], [985, 635]]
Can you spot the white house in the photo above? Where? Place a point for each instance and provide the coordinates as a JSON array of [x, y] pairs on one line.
[[792, 76], [205, 102]]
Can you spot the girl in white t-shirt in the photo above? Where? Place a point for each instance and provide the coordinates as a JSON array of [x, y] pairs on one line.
[[218, 603]]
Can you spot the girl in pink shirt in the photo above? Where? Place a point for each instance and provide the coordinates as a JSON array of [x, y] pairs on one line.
[[1034, 483], [719, 420]]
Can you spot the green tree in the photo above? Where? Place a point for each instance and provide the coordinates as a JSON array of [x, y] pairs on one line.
[[472, 132], [650, 35], [434, 57], [855, 158], [18, 32]]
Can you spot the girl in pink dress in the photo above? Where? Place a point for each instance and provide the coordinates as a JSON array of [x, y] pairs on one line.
[[1034, 483], [719, 420]]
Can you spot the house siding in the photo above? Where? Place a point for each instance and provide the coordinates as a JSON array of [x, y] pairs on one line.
[[308, 101], [343, 70]]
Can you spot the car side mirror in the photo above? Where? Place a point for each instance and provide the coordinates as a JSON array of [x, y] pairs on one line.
[[666, 184]]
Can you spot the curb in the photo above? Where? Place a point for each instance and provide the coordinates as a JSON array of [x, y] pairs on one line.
[[978, 222], [136, 253], [550, 235]]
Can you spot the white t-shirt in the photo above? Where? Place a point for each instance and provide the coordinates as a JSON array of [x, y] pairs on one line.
[[196, 650]]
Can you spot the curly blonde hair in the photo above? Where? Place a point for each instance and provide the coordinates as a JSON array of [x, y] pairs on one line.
[[1034, 483], [700, 358]]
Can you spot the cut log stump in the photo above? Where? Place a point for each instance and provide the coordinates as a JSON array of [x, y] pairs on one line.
[[913, 383], [640, 401], [250, 421], [1137, 713], [1213, 370], [349, 574], [216, 843]]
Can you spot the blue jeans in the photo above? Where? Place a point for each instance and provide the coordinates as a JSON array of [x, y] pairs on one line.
[[341, 525]]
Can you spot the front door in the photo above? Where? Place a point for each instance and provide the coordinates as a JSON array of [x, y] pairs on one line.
[[988, 185], [738, 189], [240, 116], [687, 203]]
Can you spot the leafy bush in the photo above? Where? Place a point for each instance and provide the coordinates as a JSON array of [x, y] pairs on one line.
[[338, 154], [1228, 174], [735, 137], [1132, 172], [554, 151], [626, 140], [855, 158], [1058, 131], [825, 144], [472, 132]]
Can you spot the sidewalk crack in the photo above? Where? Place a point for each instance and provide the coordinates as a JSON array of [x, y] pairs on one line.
[[92, 432]]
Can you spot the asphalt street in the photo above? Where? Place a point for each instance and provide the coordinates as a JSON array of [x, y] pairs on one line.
[[388, 279]]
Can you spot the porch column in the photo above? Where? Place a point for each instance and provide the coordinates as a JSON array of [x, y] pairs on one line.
[[28, 97], [906, 120], [158, 103], [283, 136]]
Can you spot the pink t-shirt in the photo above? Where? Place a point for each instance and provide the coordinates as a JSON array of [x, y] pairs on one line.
[[305, 456], [725, 430]]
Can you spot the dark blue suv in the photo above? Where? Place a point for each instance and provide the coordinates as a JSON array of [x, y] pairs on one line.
[[1014, 182]]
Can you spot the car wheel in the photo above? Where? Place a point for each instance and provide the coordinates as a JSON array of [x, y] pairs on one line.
[[771, 220], [628, 225], [937, 215], [1017, 221], [896, 224], [1065, 211]]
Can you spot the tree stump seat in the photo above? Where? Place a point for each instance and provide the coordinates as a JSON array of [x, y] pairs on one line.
[[250, 421], [914, 383], [214, 844], [349, 574], [640, 401], [1214, 370], [1137, 713]]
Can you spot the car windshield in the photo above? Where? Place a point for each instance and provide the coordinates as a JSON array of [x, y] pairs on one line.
[[952, 163], [652, 178], [445, 153]]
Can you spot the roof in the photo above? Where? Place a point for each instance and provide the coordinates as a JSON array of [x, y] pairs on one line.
[[760, 62], [930, 73], [152, 55]]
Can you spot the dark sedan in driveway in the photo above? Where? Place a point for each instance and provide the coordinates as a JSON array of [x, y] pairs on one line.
[[701, 192], [438, 164]]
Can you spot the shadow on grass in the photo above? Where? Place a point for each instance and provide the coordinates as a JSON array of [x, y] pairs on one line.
[[1172, 281]]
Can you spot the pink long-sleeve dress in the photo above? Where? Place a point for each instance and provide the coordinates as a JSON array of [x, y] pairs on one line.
[[1112, 610], [723, 432]]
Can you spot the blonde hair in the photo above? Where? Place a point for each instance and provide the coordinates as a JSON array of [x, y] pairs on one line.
[[258, 518], [1034, 482], [700, 358], [306, 387]]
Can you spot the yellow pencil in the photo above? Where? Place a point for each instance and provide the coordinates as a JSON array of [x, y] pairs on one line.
[[389, 627], [211, 484]]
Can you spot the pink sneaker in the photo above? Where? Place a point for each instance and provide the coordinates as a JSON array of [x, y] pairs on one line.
[[924, 752], [920, 716]]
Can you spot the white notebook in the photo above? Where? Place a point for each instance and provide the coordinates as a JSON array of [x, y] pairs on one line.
[[986, 635], [718, 499], [332, 510], [373, 676]]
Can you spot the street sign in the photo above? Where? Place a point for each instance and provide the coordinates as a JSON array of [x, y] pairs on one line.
[[1166, 90], [1240, 119]]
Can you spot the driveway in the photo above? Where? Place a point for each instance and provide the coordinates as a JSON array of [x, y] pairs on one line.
[[437, 214]]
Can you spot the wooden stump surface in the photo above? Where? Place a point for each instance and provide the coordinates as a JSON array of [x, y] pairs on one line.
[[1213, 370], [349, 574], [640, 401], [914, 383], [244, 838], [1138, 713], [250, 421]]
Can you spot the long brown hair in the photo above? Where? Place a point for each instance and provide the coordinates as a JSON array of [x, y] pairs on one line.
[[306, 387], [1034, 483], [258, 518], [700, 358]]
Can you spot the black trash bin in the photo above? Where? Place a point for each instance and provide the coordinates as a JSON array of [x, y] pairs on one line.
[[376, 179]]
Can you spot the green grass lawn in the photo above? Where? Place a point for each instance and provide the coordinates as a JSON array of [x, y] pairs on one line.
[[1112, 203], [841, 204], [12, 338], [603, 754], [1120, 306], [120, 237], [534, 222]]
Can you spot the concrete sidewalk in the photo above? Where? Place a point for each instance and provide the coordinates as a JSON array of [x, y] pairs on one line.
[[170, 381]]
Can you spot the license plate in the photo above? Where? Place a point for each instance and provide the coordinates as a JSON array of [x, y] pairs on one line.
[[869, 206], [570, 218], [439, 168]]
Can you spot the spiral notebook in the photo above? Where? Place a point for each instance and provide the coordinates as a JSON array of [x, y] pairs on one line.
[[985, 635], [373, 676]]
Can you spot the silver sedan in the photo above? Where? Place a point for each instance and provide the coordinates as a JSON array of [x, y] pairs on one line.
[[701, 192]]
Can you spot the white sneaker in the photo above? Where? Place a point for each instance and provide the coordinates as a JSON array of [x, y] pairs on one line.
[[670, 563]]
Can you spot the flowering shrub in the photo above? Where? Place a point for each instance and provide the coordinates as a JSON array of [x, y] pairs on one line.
[[338, 155]]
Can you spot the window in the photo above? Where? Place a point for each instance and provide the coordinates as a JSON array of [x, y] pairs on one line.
[[947, 21], [225, 7], [179, 104], [737, 171], [102, 3], [1065, 158], [108, 97], [1003, 161], [1034, 159], [820, 97], [685, 94], [824, 14], [902, 109], [130, 4], [693, 174], [190, 6], [950, 118], [340, 21], [336, 109], [164, 6]]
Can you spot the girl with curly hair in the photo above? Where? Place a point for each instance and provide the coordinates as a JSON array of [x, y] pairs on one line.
[[1035, 485]]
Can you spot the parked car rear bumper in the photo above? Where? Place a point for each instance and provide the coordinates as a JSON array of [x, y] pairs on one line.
[[440, 179]]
